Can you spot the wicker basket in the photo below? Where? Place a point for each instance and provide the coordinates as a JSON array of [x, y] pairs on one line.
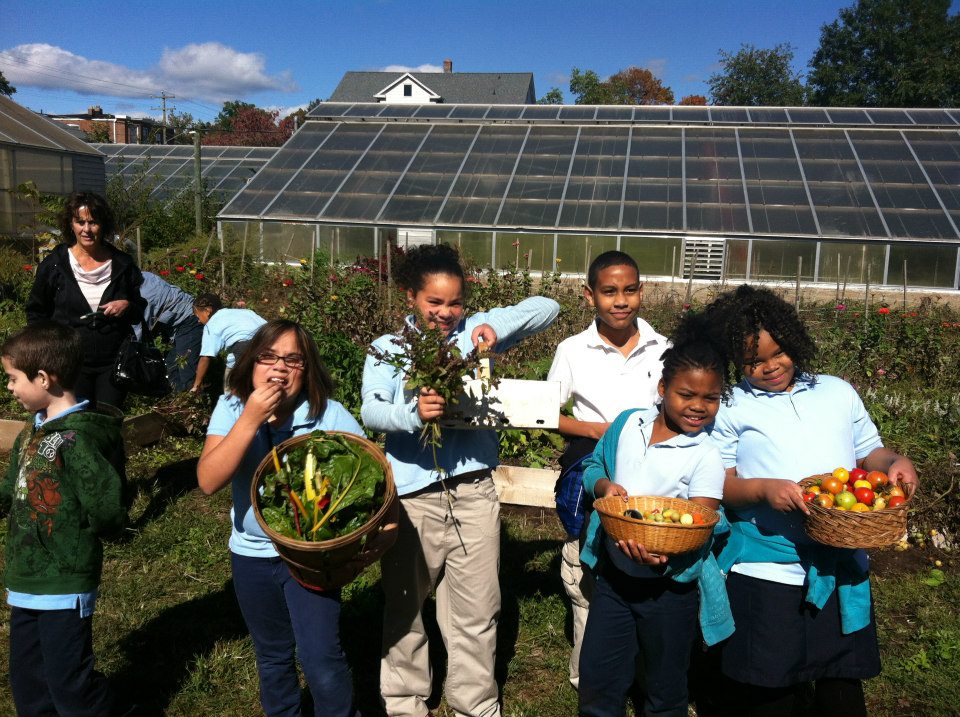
[[331, 564], [660, 538], [844, 529]]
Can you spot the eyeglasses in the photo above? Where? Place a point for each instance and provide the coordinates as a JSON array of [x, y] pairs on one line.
[[268, 358]]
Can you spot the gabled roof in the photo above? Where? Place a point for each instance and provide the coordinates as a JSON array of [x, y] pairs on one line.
[[382, 94], [498, 88], [21, 126]]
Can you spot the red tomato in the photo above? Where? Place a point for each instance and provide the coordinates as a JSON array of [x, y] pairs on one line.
[[809, 497], [895, 501], [877, 478], [864, 495], [832, 485], [824, 499], [857, 474]]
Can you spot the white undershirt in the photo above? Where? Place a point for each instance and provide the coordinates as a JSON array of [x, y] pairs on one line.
[[92, 283]]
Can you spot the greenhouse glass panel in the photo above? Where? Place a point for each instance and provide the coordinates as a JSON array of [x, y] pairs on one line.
[[775, 190], [226, 153], [526, 251], [932, 265], [369, 185], [479, 189], [576, 251], [939, 153], [715, 200], [541, 112], [468, 111], [777, 259], [329, 109], [398, 111], [499, 112], [537, 187], [848, 116], [283, 242], [618, 114], [729, 114], [364, 110], [655, 256], [347, 244], [282, 167], [808, 115], [41, 168], [850, 261], [889, 116], [840, 196], [577, 113], [691, 114], [735, 258], [594, 194], [650, 113], [768, 114], [932, 117], [909, 206], [476, 248], [324, 171], [424, 186], [434, 111], [654, 194]]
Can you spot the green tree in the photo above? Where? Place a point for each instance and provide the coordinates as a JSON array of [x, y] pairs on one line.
[[588, 88], [99, 132], [179, 127], [631, 86], [553, 97], [756, 77], [5, 87], [889, 53]]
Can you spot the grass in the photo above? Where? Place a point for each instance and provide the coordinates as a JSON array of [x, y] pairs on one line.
[[169, 633]]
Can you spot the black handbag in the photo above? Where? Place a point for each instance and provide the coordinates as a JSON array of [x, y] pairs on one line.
[[141, 368]]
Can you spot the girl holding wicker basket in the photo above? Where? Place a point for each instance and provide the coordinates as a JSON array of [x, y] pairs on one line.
[[646, 605], [802, 609]]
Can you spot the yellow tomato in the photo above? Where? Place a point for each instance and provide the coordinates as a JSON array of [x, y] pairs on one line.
[[813, 489], [859, 508], [863, 484]]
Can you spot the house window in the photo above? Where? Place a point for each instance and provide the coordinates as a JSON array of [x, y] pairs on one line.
[[408, 90]]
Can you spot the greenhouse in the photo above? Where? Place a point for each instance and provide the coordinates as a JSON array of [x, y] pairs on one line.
[[772, 193], [34, 149], [168, 170]]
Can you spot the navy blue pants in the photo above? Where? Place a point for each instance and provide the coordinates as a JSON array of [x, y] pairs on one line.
[[654, 619], [183, 356], [52, 667], [286, 622]]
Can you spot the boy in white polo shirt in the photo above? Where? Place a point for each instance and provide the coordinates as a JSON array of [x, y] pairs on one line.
[[614, 365]]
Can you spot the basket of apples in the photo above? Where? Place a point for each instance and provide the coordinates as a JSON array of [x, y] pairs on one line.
[[854, 509], [665, 526]]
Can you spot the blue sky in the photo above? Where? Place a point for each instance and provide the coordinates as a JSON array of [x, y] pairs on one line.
[[66, 55]]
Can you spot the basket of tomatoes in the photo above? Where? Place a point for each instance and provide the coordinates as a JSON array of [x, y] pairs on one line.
[[665, 526], [854, 509]]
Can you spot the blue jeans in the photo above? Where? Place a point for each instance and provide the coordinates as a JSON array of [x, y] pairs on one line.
[[52, 666], [286, 622], [186, 349], [654, 619]]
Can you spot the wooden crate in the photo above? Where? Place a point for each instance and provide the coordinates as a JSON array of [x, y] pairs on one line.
[[513, 403]]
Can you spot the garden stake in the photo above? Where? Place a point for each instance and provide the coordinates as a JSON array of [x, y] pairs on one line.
[[796, 292], [838, 277], [904, 286], [866, 297]]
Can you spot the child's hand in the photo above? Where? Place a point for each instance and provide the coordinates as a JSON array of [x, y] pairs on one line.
[[264, 402], [604, 487], [639, 554], [485, 333], [902, 471], [784, 495], [430, 405]]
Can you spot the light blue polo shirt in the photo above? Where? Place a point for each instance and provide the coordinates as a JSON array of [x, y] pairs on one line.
[[812, 429], [246, 536], [227, 327], [686, 465]]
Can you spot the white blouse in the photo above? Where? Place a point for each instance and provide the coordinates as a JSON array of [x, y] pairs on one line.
[[92, 283]]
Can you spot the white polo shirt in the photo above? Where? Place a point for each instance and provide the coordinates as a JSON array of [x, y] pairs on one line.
[[812, 429], [602, 381]]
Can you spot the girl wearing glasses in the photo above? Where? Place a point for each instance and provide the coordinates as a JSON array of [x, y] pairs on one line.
[[456, 549], [278, 389]]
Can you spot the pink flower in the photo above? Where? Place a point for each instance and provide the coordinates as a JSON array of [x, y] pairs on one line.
[[841, 307], [517, 243], [881, 372]]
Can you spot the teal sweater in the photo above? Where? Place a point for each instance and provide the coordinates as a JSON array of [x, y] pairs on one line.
[[716, 619], [63, 494]]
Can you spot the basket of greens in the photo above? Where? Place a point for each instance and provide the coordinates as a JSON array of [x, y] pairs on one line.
[[324, 498]]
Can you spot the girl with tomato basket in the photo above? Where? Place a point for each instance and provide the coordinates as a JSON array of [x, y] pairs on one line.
[[802, 610]]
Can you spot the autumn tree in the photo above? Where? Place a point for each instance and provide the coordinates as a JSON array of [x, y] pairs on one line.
[[889, 53], [755, 77], [632, 86], [694, 100], [553, 97], [6, 88], [249, 126]]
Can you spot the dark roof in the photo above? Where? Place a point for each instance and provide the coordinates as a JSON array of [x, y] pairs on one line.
[[511, 88], [18, 125]]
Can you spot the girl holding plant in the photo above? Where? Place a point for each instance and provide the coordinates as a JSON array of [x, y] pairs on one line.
[[278, 389], [449, 513]]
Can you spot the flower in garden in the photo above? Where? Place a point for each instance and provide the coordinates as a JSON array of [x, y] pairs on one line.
[[841, 307], [516, 243], [180, 268], [881, 372], [913, 314], [189, 263], [192, 271], [194, 250], [287, 282], [333, 297], [686, 307], [198, 276], [28, 267], [164, 272], [303, 262], [240, 304], [558, 260], [946, 324], [883, 311]]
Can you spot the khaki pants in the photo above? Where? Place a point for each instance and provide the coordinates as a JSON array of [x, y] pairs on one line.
[[578, 584], [468, 600]]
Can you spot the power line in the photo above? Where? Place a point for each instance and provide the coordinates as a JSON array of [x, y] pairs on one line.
[[163, 97]]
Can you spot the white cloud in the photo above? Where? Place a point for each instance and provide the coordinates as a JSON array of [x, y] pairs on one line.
[[208, 71], [407, 68], [657, 66]]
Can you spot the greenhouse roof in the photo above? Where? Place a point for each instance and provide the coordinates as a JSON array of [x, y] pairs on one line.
[[169, 168], [772, 171], [21, 126]]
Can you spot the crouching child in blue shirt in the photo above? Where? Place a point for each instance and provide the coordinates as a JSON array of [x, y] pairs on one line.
[[63, 494], [644, 606]]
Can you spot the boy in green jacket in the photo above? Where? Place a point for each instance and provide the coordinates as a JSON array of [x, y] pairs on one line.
[[63, 494]]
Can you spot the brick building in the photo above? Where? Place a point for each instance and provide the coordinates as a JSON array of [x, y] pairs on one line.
[[120, 129]]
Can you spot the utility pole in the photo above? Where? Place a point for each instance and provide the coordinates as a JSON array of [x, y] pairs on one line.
[[163, 97], [197, 184]]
